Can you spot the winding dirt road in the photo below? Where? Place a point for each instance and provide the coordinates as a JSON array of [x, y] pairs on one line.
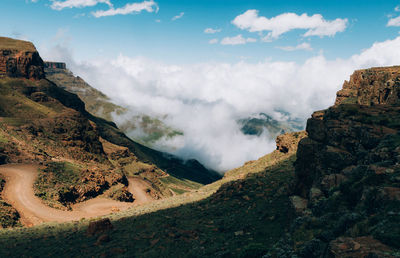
[[138, 188], [19, 193]]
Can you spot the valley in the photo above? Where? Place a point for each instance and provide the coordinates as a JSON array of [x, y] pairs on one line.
[[73, 181]]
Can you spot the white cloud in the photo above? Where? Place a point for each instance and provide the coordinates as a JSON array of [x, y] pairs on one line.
[[59, 5], [149, 6], [397, 8], [315, 25], [177, 16], [205, 100], [79, 15], [302, 46], [394, 22], [211, 31], [237, 40], [213, 41], [158, 20]]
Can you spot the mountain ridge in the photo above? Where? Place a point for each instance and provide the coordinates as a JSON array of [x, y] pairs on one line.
[[42, 123], [332, 191]]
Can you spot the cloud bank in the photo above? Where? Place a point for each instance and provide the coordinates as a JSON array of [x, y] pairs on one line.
[[205, 100]]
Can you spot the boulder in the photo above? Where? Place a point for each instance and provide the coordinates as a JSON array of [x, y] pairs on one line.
[[99, 226], [359, 247]]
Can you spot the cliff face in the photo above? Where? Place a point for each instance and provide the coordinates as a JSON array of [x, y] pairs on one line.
[[20, 59], [368, 87], [348, 168], [361, 129]]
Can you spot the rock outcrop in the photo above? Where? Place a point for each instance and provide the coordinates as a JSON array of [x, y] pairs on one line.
[[19, 59], [368, 87], [348, 168], [55, 65], [288, 142], [361, 129]]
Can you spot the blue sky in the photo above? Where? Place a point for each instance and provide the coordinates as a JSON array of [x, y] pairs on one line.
[[155, 35]]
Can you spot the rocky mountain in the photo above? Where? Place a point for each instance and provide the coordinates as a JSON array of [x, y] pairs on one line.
[[262, 122], [347, 170], [20, 59], [332, 191], [141, 127], [82, 156]]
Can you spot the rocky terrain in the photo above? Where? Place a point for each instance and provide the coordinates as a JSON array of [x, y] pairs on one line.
[[20, 60], [81, 156], [347, 170], [332, 191]]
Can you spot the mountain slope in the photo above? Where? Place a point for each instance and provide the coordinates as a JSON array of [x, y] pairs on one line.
[[82, 156], [143, 128], [334, 194]]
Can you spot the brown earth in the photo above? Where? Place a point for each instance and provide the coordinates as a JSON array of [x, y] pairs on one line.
[[19, 192]]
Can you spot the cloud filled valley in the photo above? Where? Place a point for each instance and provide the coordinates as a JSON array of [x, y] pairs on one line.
[[206, 100]]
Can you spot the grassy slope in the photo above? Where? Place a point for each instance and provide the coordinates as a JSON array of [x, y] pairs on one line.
[[201, 224], [20, 45]]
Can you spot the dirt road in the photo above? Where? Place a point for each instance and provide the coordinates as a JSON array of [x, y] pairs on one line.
[[138, 188], [19, 193]]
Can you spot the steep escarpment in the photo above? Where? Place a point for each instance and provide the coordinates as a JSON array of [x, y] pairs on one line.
[[20, 59], [141, 127], [44, 124], [348, 170]]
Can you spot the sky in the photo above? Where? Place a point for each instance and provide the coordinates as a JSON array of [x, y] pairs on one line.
[[202, 65]]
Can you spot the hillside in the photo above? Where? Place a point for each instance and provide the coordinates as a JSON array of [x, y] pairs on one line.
[[80, 156], [141, 127], [330, 192]]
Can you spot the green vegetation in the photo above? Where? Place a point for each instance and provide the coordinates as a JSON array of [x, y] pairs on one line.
[[207, 227], [120, 193], [3, 137], [55, 182], [171, 181], [9, 217]]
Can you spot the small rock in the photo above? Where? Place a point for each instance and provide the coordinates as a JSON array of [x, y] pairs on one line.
[[99, 226]]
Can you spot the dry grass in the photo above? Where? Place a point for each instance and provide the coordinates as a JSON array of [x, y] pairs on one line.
[[20, 45]]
